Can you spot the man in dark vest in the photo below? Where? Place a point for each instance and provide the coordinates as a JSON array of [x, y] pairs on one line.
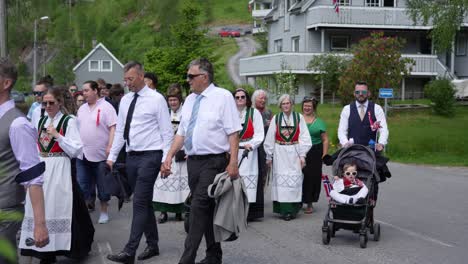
[[20, 167], [356, 119]]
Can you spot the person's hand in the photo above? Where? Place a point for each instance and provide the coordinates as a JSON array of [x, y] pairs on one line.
[[232, 170], [379, 147], [41, 236], [248, 146], [109, 164], [166, 167], [269, 163], [303, 162], [52, 131], [336, 178]]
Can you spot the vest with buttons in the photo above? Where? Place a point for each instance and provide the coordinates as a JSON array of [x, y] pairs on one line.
[[11, 193], [359, 130]]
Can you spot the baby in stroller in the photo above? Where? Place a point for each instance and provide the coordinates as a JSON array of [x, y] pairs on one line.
[[347, 189]]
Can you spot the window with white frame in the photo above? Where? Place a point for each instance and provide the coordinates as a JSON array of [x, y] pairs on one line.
[[106, 65], [278, 45], [94, 65], [339, 43], [372, 2], [461, 45], [344, 2], [295, 44]]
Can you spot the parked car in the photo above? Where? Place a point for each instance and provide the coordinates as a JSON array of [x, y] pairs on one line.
[[229, 32], [17, 97]]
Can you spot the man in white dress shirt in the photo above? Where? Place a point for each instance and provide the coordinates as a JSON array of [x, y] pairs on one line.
[[208, 131], [355, 120], [144, 126]]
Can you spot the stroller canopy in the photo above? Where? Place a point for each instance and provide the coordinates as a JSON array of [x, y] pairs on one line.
[[362, 156]]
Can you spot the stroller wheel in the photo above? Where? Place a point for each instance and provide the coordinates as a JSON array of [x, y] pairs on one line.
[[376, 236], [326, 235], [363, 241], [332, 229]]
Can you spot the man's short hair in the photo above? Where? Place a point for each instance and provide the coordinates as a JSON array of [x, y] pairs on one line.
[[116, 90], [361, 83], [94, 86], [204, 65], [134, 64], [8, 70]]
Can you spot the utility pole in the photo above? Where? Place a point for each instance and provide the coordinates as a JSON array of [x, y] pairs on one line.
[[3, 28]]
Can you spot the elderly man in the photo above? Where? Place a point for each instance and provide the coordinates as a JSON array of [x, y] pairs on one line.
[[19, 163], [208, 131]]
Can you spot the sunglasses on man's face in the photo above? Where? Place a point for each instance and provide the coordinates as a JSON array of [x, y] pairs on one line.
[[38, 93], [193, 76], [240, 97], [349, 173], [48, 103], [363, 92]]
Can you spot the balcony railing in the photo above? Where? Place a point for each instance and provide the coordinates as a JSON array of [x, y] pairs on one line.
[[260, 13], [426, 65], [354, 16]]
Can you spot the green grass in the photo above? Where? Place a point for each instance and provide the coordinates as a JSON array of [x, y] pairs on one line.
[[230, 12], [224, 49], [416, 136]]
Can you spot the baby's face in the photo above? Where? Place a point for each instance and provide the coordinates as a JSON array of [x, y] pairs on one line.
[[350, 173]]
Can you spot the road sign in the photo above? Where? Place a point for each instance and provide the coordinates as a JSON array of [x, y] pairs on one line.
[[386, 93]]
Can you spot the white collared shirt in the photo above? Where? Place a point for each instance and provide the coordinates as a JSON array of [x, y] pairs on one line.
[[379, 115], [217, 119], [150, 128]]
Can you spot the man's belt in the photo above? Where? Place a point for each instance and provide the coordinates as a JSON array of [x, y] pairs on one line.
[[287, 143], [144, 152], [208, 156]]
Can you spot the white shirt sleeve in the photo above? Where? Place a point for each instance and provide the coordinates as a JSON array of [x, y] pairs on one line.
[[119, 141], [165, 126], [380, 116], [269, 144], [259, 133], [71, 142], [305, 141], [230, 115], [343, 126]]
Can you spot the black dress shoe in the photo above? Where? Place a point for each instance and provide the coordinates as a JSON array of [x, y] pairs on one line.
[[178, 217], [48, 260], [287, 217], [122, 257], [162, 218], [209, 261], [149, 252]]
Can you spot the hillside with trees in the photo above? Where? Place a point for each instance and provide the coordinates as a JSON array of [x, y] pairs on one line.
[[128, 28]]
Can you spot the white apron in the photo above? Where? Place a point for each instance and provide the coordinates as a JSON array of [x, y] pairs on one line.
[[174, 189], [286, 185]]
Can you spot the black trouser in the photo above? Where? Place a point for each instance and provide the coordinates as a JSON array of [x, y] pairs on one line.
[[142, 170], [201, 173]]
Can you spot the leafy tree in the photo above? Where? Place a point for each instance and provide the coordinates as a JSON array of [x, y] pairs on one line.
[[376, 60], [330, 67], [187, 42], [442, 94], [446, 16], [285, 82]]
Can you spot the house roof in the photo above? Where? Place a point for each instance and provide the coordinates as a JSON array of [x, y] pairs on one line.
[[100, 45]]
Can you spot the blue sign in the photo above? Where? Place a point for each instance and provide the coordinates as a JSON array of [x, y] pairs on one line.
[[386, 93]]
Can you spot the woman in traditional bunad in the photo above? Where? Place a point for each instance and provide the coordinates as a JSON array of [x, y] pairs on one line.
[[170, 193], [58, 142], [251, 137], [286, 145]]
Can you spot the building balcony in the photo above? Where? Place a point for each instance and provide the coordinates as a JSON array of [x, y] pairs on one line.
[[426, 65], [364, 17], [260, 13]]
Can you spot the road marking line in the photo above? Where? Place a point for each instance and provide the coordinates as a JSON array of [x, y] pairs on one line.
[[104, 249], [412, 233]]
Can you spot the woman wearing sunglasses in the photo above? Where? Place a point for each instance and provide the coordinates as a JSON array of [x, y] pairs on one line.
[[251, 137], [66, 212], [286, 145], [313, 169], [348, 189]]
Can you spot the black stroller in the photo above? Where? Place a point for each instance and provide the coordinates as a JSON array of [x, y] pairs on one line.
[[356, 217]]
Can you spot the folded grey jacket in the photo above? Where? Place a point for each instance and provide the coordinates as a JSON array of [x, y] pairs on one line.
[[232, 206]]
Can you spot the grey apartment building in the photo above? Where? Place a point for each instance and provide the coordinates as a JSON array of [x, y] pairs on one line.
[[301, 29]]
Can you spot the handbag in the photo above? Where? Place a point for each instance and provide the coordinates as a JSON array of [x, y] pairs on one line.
[[180, 156]]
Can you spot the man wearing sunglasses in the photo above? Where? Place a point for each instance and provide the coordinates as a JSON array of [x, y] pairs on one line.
[[36, 112], [356, 118]]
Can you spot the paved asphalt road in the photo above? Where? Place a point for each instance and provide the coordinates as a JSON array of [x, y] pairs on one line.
[[422, 211], [247, 47]]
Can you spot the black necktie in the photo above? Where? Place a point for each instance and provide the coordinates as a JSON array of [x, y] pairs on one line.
[[129, 118]]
